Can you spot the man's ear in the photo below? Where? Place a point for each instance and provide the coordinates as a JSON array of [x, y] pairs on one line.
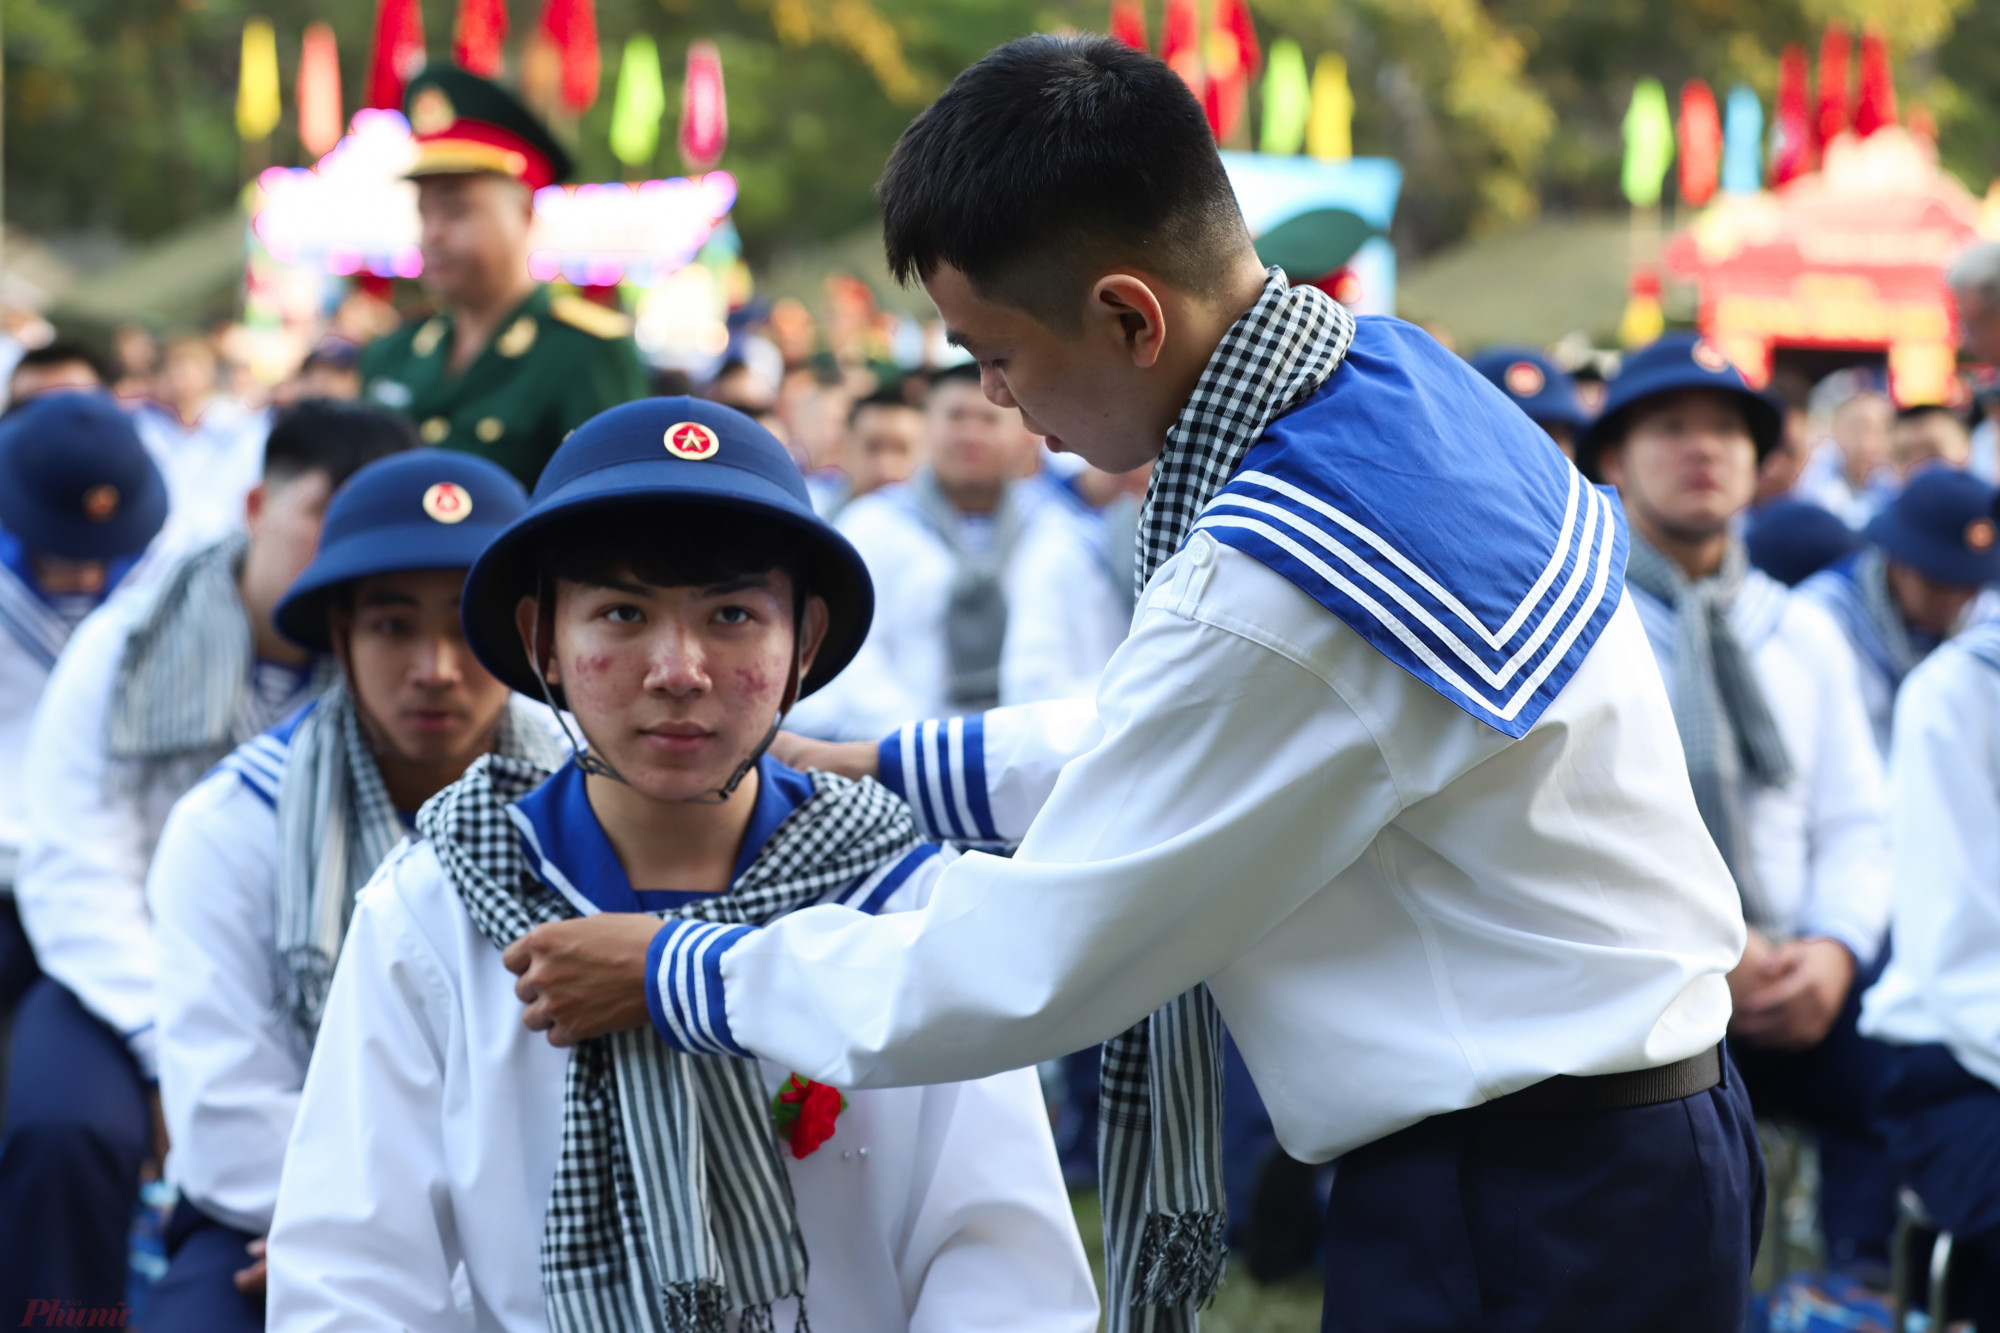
[[1611, 465], [812, 633], [1140, 317], [537, 638], [253, 505]]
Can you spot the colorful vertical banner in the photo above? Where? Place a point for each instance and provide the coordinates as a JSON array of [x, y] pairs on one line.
[[1128, 23], [704, 108], [479, 36], [1876, 107], [1831, 117], [1330, 124], [1649, 144], [569, 29], [1180, 45], [321, 118], [1287, 99], [1791, 120], [641, 102], [1700, 134], [258, 109], [1232, 58], [1742, 142], [397, 52]]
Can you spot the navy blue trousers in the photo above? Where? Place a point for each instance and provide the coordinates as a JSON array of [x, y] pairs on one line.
[[1942, 1124], [78, 1128], [1833, 1089], [198, 1293], [1642, 1221]]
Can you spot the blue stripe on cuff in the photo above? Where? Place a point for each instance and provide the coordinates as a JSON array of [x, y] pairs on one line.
[[975, 777], [889, 762], [685, 959], [927, 815]]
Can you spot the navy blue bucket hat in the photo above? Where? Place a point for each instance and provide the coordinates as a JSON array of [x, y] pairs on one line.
[[1676, 362], [425, 509], [1791, 540], [75, 482], [665, 454], [1943, 525], [1535, 384]]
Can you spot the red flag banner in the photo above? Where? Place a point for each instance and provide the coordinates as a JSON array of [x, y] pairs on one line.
[[1700, 143], [479, 36], [1832, 118], [704, 109], [1233, 59], [320, 119], [1876, 108], [570, 26], [1791, 137], [1128, 23], [398, 52], [1180, 44]]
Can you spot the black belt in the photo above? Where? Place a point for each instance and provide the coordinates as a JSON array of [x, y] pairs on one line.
[[1567, 1094]]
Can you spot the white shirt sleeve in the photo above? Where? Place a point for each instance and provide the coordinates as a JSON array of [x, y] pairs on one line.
[[984, 778], [82, 886], [230, 1067], [364, 1238], [1849, 893], [1231, 784]]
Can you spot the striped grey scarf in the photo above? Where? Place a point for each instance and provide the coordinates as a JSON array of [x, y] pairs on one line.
[[1727, 730], [671, 1204], [183, 697], [1899, 650], [1160, 1104], [975, 617], [335, 825]]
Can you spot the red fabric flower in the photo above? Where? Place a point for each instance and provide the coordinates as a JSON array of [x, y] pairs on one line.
[[805, 1112]]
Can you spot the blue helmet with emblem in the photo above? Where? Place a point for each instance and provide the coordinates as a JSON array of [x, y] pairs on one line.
[[75, 481], [654, 459], [425, 509], [1943, 525], [1791, 540], [1673, 364], [1536, 385]]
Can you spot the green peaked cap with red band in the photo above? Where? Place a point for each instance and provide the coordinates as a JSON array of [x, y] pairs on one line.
[[464, 124]]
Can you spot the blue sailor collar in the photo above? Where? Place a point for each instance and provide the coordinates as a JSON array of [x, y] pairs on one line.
[[1414, 501], [570, 853]]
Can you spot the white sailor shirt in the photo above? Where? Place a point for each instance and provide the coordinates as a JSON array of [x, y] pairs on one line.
[[1066, 613], [902, 671], [209, 467], [431, 1124], [1942, 981], [1820, 841], [82, 884]]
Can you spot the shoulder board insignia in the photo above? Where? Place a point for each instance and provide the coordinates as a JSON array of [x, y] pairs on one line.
[[591, 317], [519, 337], [428, 337]]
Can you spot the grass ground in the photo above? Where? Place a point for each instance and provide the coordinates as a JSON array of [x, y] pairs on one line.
[[1242, 1306]]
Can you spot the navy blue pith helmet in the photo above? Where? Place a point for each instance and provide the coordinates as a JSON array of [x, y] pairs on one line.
[[75, 482], [662, 456], [1676, 362], [1943, 526], [1791, 540], [1536, 385], [426, 509]]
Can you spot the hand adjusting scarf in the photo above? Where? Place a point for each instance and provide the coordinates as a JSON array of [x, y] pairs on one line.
[[1160, 1103], [1727, 731], [671, 1205], [336, 825]]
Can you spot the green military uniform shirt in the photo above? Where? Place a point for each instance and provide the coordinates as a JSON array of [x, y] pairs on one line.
[[555, 362]]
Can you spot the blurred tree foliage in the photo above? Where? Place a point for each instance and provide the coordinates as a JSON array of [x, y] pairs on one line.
[[119, 112]]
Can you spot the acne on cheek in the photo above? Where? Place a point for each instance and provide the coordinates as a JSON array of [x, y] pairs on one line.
[[750, 682]]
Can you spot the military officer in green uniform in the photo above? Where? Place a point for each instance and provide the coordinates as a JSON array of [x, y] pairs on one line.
[[506, 368]]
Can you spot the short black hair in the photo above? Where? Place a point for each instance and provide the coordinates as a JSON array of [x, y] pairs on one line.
[[63, 352], [333, 436], [670, 546], [1916, 411], [959, 372], [1051, 156], [891, 399]]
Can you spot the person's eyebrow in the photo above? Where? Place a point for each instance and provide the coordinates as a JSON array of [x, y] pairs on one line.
[[630, 589], [761, 582]]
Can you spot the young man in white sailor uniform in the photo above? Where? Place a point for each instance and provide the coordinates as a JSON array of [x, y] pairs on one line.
[[944, 551], [80, 506], [257, 869], [1786, 774], [1936, 1010], [1931, 550], [151, 691], [1384, 776], [671, 587]]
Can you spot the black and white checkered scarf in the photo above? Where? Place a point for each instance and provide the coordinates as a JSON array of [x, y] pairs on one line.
[[1160, 1108], [671, 1205], [183, 696], [336, 823]]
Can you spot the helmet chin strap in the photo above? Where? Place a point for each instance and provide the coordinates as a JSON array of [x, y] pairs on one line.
[[590, 762]]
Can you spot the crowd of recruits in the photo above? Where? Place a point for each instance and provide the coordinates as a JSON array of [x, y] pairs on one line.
[[1787, 782]]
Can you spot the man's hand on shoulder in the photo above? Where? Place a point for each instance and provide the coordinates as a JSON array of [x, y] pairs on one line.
[[850, 759], [584, 977]]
